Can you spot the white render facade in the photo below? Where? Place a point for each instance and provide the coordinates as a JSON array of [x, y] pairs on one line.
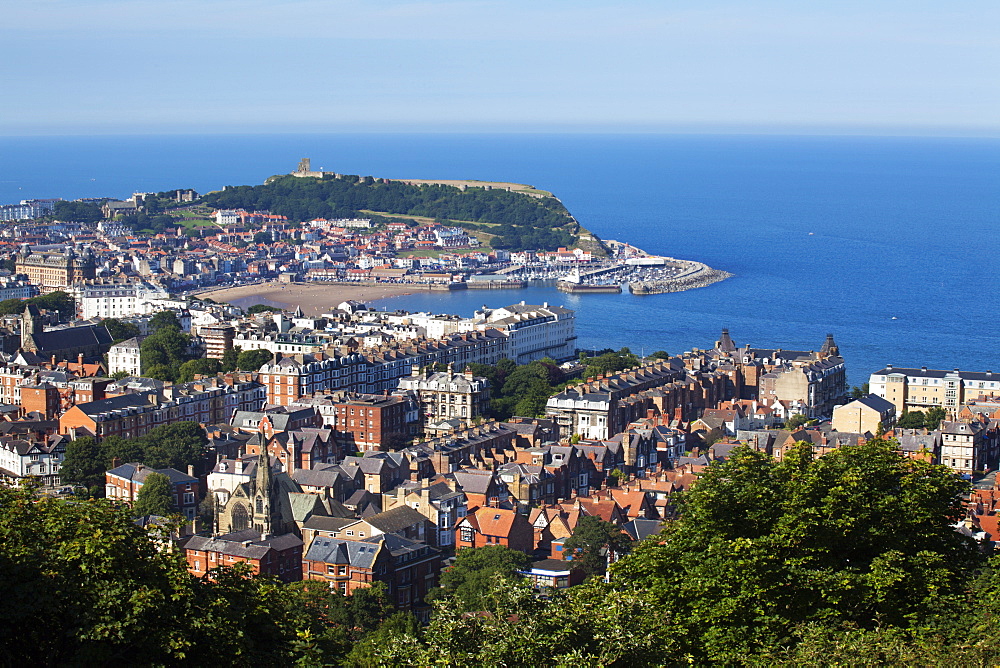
[[125, 356], [119, 300], [534, 332]]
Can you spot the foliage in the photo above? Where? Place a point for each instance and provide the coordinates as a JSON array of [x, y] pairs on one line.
[[203, 366], [230, 359], [119, 330], [796, 421], [609, 363], [660, 355], [84, 463], [77, 212], [860, 392], [164, 351], [176, 445], [163, 319], [262, 308], [520, 390], [107, 595], [591, 540], [930, 420], [859, 536], [252, 360], [54, 301], [518, 221], [468, 579], [155, 497], [586, 625]]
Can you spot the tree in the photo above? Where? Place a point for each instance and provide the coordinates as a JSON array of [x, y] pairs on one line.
[[262, 308], [121, 331], [163, 319], [592, 540], [84, 463], [177, 445], [203, 366], [118, 451], [660, 355], [164, 351], [230, 359], [796, 421], [933, 417], [858, 536], [155, 497], [860, 392], [252, 360], [468, 579], [911, 420]]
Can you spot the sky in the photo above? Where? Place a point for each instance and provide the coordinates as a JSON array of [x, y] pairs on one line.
[[137, 66]]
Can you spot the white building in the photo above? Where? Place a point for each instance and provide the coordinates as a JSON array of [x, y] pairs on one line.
[[27, 459], [120, 300], [13, 289], [125, 357], [535, 332]]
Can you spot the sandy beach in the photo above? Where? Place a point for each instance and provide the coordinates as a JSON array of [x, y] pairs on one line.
[[314, 298]]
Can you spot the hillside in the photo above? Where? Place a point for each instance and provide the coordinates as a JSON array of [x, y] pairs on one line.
[[515, 219]]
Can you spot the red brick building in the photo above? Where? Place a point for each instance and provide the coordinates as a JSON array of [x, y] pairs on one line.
[[408, 568], [495, 526], [280, 556], [123, 483]]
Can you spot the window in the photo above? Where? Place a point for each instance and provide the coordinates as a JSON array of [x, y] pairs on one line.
[[466, 534]]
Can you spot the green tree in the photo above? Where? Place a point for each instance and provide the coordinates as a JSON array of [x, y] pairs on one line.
[[118, 451], [796, 421], [660, 355], [119, 330], [592, 540], [252, 360], [163, 352], [911, 420], [860, 392], [163, 319], [155, 497], [262, 308], [933, 417], [859, 536], [203, 366], [84, 463], [230, 359], [177, 445], [468, 579]]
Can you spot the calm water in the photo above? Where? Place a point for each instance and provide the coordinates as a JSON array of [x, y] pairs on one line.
[[889, 243]]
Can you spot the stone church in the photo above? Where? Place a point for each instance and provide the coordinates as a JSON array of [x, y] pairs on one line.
[[91, 341], [262, 504]]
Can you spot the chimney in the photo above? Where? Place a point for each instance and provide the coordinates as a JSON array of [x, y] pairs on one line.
[[191, 470], [79, 359]]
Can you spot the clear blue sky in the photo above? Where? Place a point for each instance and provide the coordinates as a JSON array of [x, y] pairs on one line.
[[911, 66]]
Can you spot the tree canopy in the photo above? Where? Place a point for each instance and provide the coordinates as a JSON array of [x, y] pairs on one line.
[[860, 536], [518, 220], [468, 579], [591, 542], [155, 497]]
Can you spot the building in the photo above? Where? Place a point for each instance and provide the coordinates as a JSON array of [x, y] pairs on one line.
[[362, 422], [278, 556], [28, 457], [966, 446], [408, 568], [99, 299], [261, 504], [495, 526], [438, 502], [216, 339], [90, 341], [534, 332], [910, 389], [27, 209], [55, 270], [864, 415], [446, 394], [123, 483], [126, 357]]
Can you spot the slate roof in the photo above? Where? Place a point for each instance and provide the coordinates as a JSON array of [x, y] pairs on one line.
[[118, 403], [640, 529], [246, 544], [139, 473], [397, 519], [72, 337]]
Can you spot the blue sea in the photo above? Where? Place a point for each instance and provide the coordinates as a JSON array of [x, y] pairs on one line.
[[889, 243]]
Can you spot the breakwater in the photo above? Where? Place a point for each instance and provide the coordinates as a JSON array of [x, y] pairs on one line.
[[691, 275]]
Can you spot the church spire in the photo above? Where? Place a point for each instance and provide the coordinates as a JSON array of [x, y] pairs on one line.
[[262, 520]]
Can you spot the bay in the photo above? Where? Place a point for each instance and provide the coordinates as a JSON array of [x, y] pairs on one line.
[[889, 243]]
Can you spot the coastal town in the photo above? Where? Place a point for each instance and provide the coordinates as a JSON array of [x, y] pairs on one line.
[[326, 440]]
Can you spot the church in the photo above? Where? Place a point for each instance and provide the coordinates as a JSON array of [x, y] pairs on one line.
[[262, 504], [91, 341]]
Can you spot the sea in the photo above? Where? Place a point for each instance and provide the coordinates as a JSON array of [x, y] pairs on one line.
[[889, 243]]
